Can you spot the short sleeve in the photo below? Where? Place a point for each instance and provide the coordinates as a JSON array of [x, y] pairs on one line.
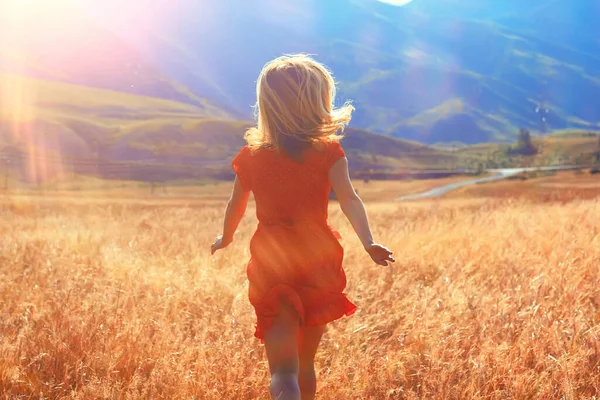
[[242, 165], [335, 152]]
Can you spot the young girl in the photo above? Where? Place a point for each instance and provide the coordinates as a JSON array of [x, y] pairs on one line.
[[292, 160]]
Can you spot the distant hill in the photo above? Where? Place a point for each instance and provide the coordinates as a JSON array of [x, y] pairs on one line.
[[76, 120], [466, 71], [568, 147], [57, 128]]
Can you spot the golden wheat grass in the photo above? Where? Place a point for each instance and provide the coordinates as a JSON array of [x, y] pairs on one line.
[[489, 299]]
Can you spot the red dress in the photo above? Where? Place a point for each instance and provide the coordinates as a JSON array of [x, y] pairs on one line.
[[296, 257]]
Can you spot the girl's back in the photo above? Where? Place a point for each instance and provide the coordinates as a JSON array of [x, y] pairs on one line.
[[285, 189], [296, 256]]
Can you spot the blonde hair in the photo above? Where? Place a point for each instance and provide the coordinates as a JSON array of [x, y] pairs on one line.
[[294, 107]]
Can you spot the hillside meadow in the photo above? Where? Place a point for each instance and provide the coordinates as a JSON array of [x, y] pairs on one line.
[[49, 129], [566, 147], [114, 295]]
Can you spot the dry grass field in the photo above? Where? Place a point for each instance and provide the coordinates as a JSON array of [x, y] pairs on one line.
[[495, 295]]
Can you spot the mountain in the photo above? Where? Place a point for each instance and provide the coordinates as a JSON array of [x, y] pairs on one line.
[[433, 71], [400, 64]]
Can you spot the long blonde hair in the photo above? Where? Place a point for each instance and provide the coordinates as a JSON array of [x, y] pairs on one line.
[[294, 107]]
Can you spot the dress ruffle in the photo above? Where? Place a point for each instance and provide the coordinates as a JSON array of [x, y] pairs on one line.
[[315, 307]]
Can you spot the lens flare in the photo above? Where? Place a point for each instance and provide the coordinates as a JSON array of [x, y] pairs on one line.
[[398, 3], [77, 41]]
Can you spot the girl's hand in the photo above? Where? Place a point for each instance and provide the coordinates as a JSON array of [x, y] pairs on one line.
[[380, 254], [220, 243]]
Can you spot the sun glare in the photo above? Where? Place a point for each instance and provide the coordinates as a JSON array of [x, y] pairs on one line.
[[36, 7], [31, 17], [398, 3], [30, 29]]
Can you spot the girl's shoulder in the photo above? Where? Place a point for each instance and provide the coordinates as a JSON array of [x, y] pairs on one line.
[[335, 148], [333, 151], [249, 157], [244, 165], [326, 149], [244, 154], [247, 152]]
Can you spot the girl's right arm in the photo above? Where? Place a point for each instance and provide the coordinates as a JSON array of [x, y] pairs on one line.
[[354, 209]]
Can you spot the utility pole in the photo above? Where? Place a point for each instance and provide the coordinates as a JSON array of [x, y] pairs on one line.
[[542, 109], [453, 157], [6, 163], [598, 151]]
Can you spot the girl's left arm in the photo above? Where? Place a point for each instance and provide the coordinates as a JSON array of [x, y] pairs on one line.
[[236, 207]]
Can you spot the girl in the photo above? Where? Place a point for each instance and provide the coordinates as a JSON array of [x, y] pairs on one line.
[[291, 162]]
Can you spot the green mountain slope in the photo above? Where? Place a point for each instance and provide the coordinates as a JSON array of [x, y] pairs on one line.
[[52, 128], [52, 116]]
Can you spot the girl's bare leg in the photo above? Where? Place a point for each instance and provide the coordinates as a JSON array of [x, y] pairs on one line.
[[281, 344], [309, 338]]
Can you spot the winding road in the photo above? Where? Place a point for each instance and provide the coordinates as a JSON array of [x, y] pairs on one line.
[[498, 174]]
